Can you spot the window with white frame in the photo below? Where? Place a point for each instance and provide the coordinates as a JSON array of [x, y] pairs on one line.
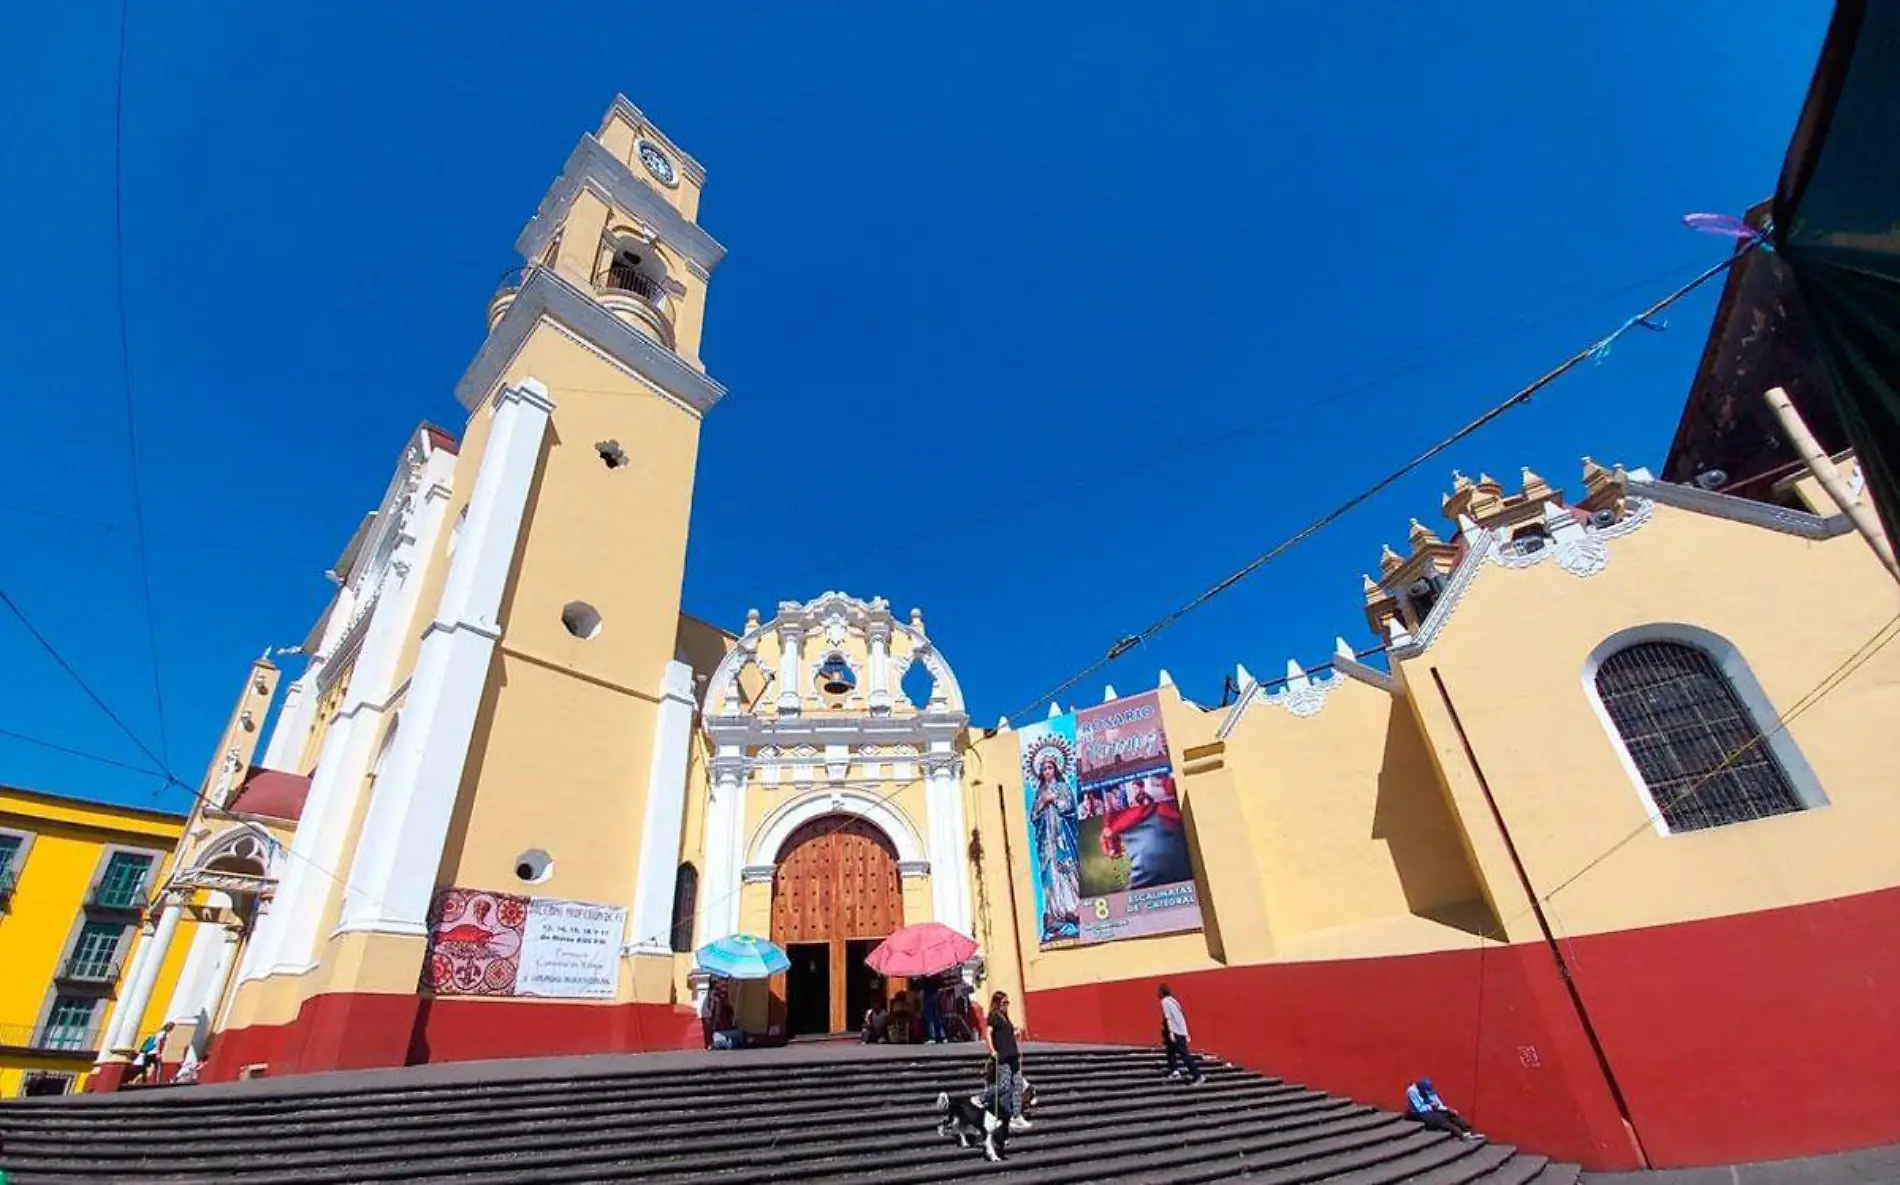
[[1690, 735], [10, 848], [69, 1023]]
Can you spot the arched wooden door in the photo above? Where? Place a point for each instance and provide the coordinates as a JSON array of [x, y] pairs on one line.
[[835, 895]]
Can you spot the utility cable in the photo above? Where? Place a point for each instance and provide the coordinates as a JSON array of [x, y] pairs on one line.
[[125, 379], [1129, 641]]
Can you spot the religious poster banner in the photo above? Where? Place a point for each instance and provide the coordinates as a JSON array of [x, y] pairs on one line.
[[503, 944], [1048, 759], [1109, 842]]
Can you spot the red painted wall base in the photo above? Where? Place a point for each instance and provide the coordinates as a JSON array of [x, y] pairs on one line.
[[358, 1031], [1492, 1033], [107, 1078], [1753, 1037]]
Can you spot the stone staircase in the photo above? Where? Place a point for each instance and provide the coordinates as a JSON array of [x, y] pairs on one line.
[[826, 1113]]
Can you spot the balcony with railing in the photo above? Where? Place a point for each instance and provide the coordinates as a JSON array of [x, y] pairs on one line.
[[52, 1038], [634, 296], [89, 969]]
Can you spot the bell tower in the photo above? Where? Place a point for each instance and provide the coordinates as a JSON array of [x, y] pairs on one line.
[[541, 743]]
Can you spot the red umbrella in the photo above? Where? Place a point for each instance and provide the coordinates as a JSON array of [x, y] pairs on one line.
[[922, 949]]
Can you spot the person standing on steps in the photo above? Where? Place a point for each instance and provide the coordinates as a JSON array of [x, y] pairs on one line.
[[147, 1062], [933, 1012], [1174, 1040], [1422, 1105], [1009, 1064]]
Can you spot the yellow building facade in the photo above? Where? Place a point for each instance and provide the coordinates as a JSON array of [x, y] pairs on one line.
[[76, 880], [1591, 770]]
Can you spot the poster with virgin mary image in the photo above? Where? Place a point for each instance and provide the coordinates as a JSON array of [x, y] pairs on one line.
[[1137, 868], [1047, 750]]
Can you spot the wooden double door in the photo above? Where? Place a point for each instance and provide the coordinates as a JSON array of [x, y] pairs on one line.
[[836, 894]]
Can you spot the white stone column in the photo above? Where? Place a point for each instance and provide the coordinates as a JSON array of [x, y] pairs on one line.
[[725, 844], [791, 669], [300, 706], [392, 878], [293, 718], [286, 935], [652, 921], [878, 635], [195, 979], [123, 1031], [948, 839], [219, 988]]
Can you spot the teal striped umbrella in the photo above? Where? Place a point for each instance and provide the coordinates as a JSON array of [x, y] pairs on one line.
[[742, 956]]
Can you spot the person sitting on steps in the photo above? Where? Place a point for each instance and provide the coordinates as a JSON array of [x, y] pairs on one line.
[[1422, 1105]]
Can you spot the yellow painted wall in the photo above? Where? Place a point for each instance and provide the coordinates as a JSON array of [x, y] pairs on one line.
[[1512, 659], [66, 855]]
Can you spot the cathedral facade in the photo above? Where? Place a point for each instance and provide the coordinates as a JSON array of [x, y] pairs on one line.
[[1590, 835]]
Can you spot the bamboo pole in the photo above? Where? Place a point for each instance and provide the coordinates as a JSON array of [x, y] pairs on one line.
[[1822, 466]]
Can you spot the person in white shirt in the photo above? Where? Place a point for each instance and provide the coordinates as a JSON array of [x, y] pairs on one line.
[[1174, 1039]]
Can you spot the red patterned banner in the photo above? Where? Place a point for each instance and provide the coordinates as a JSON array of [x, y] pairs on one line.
[[475, 940]]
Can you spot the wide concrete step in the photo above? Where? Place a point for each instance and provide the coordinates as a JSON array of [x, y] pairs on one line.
[[647, 1101], [737, 1124], [839, 1117]]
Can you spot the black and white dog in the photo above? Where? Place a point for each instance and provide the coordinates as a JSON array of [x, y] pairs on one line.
[[967, 1120]]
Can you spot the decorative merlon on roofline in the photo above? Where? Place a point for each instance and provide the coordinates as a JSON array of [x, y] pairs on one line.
[[1299, 693], [1347, 663], [547, 294]]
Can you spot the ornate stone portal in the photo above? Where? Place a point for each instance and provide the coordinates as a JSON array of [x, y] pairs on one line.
[[809, 720]]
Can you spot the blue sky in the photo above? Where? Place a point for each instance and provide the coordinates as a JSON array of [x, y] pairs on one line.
[[1085, 304]]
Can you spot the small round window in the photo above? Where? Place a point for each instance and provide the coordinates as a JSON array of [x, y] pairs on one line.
[[534, 866]]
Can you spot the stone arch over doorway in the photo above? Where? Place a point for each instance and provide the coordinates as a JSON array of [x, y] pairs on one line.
[[837, 891]]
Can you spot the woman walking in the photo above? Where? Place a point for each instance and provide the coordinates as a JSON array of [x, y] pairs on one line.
[[1009, 1064]]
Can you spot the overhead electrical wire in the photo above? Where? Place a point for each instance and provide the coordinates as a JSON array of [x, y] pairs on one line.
[[1522, 396], [125, 380], [1595, 349]]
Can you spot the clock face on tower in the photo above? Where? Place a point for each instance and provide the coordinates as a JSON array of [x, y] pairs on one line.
[[657, 164]]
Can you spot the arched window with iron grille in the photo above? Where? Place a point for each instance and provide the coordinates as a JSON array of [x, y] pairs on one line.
[[1690, 736]]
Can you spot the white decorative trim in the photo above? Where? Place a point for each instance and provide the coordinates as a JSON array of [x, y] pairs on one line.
[[548, 294], [657, 874], [724, 846], [1249, 690], [871, 618], [1734, 668], [285, 937], [1479, 548], [593, 168], [887, 817], [1302, 696], [1347, 663], [1743, 510], [393, 874]]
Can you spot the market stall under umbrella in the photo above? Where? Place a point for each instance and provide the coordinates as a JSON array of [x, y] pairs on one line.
[[924, 948]]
